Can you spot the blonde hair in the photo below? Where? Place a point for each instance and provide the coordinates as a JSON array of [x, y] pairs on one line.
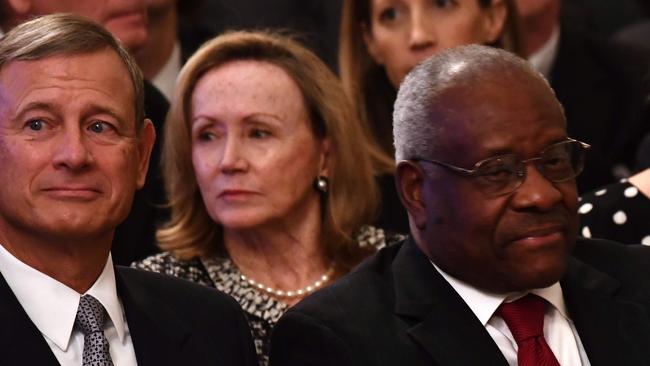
[[353, 195], [366, 82]]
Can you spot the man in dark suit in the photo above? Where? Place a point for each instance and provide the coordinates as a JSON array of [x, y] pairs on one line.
[[492, 274], [603, 86], [74, 147], [127, 20]]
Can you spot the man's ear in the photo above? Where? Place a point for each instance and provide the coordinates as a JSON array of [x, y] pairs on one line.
[[146, 139], [494, 20], [18, 11], [410, 179], [20, 7]]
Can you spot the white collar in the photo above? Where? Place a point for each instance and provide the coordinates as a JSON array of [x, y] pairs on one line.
[[544, 58], [165, 79], [51, 305], [483, 304]]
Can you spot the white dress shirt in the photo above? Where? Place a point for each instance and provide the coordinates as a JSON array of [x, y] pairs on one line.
[[165, 79], [559, 331], [52, 307], [544, 58]]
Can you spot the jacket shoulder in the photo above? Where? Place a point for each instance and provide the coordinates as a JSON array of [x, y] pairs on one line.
[[626, 263], [175, 291], [371, 280]]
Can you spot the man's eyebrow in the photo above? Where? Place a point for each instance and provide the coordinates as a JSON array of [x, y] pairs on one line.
[[18, 115], [95, 109], [91, 110], [35, 106]]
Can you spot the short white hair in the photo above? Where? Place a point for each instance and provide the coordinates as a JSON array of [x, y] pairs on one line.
[[416, 128]]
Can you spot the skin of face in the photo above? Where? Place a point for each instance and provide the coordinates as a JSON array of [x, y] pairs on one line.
[[507, 243], [125, 19], [533, 8], [68, 146], [404, 32], [253, 150]]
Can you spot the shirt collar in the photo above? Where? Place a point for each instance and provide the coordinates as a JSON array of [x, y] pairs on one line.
[[51, 305], [165, 79], [543, 59], [484, 304]]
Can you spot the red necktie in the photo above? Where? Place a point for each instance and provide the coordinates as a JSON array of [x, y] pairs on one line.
[[525, 318]]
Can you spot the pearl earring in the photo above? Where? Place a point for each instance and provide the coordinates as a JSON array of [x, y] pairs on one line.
[[321, 184]]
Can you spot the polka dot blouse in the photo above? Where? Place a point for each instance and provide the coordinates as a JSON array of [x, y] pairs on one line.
[[618, 212]]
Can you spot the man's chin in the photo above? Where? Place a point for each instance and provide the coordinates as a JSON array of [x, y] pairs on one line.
[[132, 33], [539, 275]]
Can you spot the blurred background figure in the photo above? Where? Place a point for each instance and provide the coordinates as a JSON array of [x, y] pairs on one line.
[[269, 177], [174, 35], [317, 21], [602, 85], [601, 18], [126, 20], [619, 211], [381, 40]]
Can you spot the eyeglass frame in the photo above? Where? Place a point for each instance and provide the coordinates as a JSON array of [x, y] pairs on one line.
[[521, 174]]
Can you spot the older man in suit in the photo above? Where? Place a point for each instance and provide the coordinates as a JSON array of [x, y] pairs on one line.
[[74, 147], [492, 274], [127, 21]]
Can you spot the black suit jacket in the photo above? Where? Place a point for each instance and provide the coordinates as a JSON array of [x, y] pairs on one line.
[[396, 309], [172, 322], [135, 238], [604, 89]]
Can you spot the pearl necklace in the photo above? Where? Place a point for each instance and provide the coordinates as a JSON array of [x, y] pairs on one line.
[[304, 291]]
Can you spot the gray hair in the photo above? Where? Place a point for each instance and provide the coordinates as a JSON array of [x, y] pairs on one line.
[[67, 34], [416, 130]]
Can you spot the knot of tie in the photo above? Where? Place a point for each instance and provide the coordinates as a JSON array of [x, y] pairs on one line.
[[525, 318], [91, 315]]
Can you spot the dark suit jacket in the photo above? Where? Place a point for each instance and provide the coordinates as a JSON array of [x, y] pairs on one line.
[[135, 238], [396, 309], [604, 89], [172, 322]]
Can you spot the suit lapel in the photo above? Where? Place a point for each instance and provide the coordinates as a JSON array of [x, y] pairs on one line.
[[443, 325], [22, 343], [613, 330], [158, 338]]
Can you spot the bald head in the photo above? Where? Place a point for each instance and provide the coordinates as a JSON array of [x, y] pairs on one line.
[[439, 91]]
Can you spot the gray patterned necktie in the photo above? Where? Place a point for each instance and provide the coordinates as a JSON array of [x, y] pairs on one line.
[[90, 320]]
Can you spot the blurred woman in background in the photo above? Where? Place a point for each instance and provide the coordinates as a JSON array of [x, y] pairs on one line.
[[382, 40]]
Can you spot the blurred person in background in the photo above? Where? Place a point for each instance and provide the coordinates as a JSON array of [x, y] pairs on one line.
[[381, 40], [619, 211], [173, 36], [603, 87], [268, 175]]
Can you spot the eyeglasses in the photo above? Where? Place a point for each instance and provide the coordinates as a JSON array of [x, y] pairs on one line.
[[501, 175]]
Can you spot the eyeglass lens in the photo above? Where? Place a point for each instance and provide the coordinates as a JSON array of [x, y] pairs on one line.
[[504, 174]]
